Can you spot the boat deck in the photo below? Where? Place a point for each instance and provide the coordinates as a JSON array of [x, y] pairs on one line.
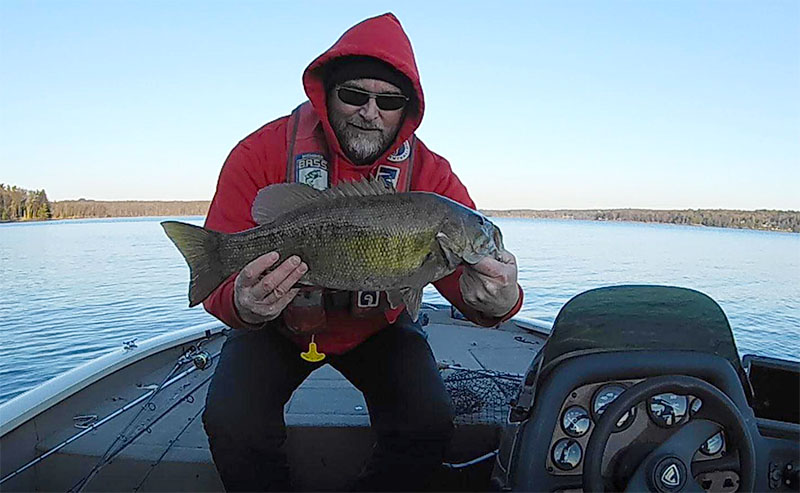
[[328, 425]]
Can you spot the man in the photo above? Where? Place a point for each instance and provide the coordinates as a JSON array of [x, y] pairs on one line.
[[365, 101]]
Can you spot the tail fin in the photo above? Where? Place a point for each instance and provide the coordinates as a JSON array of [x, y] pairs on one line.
[[200, 248]]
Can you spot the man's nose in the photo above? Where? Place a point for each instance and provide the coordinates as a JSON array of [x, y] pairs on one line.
[[369, 111]]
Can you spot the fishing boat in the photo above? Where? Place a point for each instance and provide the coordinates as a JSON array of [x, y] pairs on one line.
[[632, 387]]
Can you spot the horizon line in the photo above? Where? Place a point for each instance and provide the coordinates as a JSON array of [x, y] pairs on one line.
[[491, 209]]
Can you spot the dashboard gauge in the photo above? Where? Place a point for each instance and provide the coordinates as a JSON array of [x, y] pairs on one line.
[[668, 409], [567, 454], [575, 421], [696, 405], [713, 445], [604, 397]]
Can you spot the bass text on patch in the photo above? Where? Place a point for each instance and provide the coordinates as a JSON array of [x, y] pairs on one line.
[[311, 169]]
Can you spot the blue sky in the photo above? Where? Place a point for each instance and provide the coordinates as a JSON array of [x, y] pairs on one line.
[[574, 104]]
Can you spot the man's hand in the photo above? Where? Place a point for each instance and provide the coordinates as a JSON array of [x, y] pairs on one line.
[[490, 286], [261, 299]]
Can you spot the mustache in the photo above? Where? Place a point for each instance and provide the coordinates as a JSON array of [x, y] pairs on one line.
[[360, 122]]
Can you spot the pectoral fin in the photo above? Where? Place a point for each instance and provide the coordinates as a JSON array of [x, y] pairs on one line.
[[449, 249], [395, 298], [473, 258], [498, 238], [412, 298]]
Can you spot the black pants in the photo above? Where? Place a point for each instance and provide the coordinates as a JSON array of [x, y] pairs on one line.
[[409, 407]]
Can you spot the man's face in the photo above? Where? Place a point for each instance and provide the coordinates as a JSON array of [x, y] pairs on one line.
[[366, 131]]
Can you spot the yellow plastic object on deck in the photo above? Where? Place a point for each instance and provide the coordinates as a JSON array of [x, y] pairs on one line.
[[312, 355]]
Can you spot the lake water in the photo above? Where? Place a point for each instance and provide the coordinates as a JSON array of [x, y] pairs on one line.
[[71, 291]]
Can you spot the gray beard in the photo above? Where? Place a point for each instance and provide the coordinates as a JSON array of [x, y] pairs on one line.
[[360, 147]]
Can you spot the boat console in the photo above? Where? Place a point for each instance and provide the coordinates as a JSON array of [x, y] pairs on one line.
[[640, 388]]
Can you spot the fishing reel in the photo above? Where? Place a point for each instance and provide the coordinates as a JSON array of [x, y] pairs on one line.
[[201, 359]]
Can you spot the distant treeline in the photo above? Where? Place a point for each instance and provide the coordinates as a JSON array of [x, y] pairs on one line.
[[70, 209], [722, 218], [17, 204]]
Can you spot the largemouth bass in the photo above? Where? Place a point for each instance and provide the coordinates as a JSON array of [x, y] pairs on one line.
[[355, 236]]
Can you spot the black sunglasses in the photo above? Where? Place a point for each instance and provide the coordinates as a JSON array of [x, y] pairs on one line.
[[360, 97]]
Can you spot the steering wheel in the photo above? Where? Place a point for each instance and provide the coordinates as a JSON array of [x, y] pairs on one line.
[[667, 469]]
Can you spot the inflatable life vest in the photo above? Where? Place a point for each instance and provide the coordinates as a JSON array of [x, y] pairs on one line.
[[308, 162]]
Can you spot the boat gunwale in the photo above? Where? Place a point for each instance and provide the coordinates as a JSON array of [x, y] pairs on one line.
[[28, 405]]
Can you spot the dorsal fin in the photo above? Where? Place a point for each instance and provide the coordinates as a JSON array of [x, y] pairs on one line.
[[362, 188], [274, 200]]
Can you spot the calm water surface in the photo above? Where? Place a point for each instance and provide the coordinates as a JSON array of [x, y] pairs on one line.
[[73, 290]]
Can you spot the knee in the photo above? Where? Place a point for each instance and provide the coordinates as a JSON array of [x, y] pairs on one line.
[[214, 421], [232, 420], [431, 420], [440, 422], [225, 430], [435, 413], [216, 415]]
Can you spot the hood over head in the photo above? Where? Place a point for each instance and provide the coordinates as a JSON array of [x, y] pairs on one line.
[[359, 67], [381, 38]]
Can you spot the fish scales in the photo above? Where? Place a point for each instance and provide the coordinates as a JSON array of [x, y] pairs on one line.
[[355, 236], [348, 243]]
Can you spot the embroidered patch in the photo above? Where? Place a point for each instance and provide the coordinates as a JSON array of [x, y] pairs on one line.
[[312, 170], [401, 154], [390, 175], [368, 299]]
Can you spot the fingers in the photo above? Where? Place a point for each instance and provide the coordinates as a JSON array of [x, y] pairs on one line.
[[490, 285], [285, 286], [492, 267], [472, 290], [270, 310], [486, 294], [506, 257], [272, 280], [253, 271], [488, 267], [478, 287], [259, 299]]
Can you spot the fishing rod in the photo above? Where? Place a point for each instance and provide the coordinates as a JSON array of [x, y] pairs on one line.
[[94, 426], [201, 361], [169, 446], [121, 435], [104, 462]]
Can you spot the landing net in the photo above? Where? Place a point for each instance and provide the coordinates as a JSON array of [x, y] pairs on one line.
[[480, 396]]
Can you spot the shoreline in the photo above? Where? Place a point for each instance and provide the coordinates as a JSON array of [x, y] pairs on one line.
[[631, 221], [19, 205], [559, 215]]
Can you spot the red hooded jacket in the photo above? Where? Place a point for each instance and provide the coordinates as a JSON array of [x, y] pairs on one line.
[[260, 160]]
